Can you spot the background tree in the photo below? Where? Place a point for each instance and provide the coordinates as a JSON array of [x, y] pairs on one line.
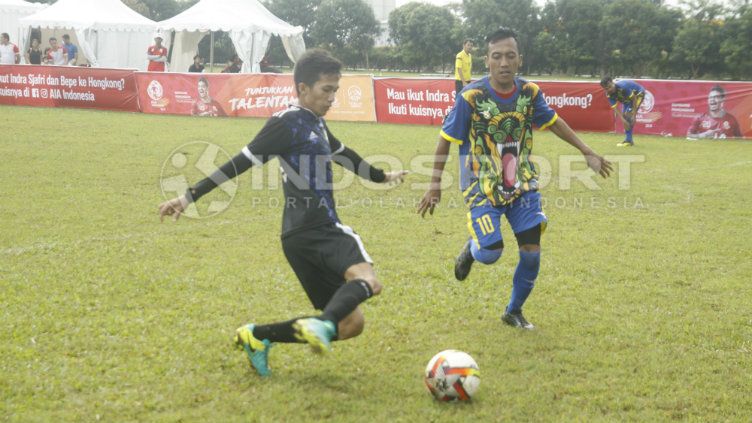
[[485, 16], [425, 35], [635, 33], [347, 28], [736, 47]]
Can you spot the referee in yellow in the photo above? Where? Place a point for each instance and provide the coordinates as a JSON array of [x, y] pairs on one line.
[[463, 65]]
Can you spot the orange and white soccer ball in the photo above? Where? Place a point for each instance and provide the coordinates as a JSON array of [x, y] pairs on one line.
[[452, 375]]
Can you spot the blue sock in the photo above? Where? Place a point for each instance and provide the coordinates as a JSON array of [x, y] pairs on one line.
[[524, 279], [628, 135], [483, 255]]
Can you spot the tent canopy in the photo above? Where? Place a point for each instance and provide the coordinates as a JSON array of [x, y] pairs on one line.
[[10, 12], [109, 33], [249, 24]]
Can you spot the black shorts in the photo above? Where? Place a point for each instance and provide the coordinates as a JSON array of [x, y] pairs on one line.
[[458, 86], [320, 256]]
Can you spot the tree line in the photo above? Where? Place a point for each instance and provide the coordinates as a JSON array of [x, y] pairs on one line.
[[636, 38]]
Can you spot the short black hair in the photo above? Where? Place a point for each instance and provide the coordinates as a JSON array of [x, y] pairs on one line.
[[606, 80], [196, 56], [53, 38], [719, 89], [5, 35], [313, 64], [502, 34], [467, 40], [66, 37]]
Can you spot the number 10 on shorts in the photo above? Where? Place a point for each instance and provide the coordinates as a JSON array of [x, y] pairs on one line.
[[485, 224]]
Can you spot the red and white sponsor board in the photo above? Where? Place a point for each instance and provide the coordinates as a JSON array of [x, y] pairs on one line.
[[249, 95], [583, 105], [670, 107], [412, 100], [63, 86]]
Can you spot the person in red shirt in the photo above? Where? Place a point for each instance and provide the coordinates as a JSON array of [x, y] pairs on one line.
[[204, 104], [157, 55], [716, 123]]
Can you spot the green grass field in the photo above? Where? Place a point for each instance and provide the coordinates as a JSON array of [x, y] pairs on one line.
[[642, 306]]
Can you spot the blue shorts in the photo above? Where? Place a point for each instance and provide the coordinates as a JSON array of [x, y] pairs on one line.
[[484, 222]]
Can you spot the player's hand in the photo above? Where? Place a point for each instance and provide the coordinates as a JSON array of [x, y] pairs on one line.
[[599, 164], [174, 208], [429, 201], [396, 177]]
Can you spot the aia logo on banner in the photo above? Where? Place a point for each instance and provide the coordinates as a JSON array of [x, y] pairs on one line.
[[355, 96], [646, 115], [156, 94]]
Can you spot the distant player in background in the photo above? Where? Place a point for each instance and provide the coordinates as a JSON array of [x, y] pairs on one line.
[[630, 94], [492, 123], [157, 55], [204, 104], [463, 65], [9, 53], [328, 257], [717, 123]]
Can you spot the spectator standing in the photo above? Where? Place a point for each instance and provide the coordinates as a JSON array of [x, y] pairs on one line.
[[9, 54], [56, 55], [34, 53], [71, 49], [157, 55]]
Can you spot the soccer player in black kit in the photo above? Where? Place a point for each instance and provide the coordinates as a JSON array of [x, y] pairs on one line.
[[328, 257]]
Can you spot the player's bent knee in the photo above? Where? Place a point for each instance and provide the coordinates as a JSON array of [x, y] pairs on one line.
[[375, 285], [487, 256]]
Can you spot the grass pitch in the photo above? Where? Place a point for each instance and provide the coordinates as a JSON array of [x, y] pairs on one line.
[[642, 306]]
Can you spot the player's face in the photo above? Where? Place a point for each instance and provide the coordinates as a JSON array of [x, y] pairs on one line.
[[610, 88], [467, 46], [503, 61], [319, 97], [4, 40], [203, 89], [715, 101]]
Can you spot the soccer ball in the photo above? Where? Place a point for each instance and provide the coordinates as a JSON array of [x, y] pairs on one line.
[[452, 375]]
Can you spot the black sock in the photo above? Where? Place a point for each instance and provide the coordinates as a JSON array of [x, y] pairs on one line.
[[346, 299], [277, 332]]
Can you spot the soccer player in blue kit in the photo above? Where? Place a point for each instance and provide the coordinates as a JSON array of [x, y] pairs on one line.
[[630, 94], [492, 123], [328, 257]]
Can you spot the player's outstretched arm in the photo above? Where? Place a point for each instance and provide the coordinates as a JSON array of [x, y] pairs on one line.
[[433, 195], [599, 165]]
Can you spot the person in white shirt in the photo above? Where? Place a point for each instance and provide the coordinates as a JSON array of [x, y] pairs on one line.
[[57, 55], [9, 53]]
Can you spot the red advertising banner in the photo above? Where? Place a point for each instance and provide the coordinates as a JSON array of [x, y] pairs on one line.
[[63, 86], [426, 101], [250, 95], [413, 101], [583, 105], [695, 109]]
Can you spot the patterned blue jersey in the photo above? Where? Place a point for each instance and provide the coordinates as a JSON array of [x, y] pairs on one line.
[[627, 92]]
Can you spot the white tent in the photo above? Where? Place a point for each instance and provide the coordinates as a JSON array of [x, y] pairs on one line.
[[109, 33], [249, 24], [10, 12]]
